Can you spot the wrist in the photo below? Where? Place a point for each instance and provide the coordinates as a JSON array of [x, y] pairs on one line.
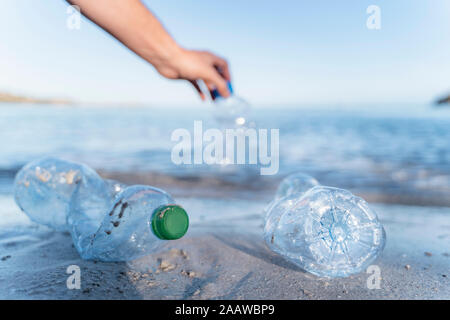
[[163, 54]]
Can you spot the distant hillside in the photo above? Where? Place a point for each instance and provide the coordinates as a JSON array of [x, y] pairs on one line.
[[6, 97], [443, 100]]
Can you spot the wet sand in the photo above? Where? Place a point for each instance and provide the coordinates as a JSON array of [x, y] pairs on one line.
[[224, 257]]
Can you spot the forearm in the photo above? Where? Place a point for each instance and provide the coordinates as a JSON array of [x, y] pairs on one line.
[[134, 25]]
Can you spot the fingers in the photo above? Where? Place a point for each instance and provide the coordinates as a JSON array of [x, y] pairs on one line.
[[222, 66], [215, 80], [211, 87], [211, 69], [197, 87]]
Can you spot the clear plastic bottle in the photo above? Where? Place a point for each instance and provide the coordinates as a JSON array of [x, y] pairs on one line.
[[107, 220], [139, 221], [295, 184], [43, 189], [326, 231], [115, 187], [232, 112]]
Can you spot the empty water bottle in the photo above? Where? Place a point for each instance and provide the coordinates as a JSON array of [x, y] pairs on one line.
[[137, 223], [43, 189], [297, 183], [231, 112], [115, 187], [107, 220], [326, 231]]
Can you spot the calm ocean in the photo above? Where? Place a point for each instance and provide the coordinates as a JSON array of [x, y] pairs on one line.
[[369, 150]]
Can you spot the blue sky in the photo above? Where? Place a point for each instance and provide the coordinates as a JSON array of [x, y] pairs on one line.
[[280, 52]]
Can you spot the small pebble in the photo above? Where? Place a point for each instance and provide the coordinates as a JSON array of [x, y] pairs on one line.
[[190, 274], [166, 266], [307, 292], [407, 267]]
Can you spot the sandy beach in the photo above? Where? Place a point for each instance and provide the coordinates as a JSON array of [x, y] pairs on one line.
[[224, 257]]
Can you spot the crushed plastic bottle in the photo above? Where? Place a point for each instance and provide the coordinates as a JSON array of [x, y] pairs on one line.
[[115, 187], [232, 112], [107, 220], [43, 189], [326, 231]]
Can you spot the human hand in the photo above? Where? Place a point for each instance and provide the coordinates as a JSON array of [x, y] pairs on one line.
[[138, 29], [193, 65]]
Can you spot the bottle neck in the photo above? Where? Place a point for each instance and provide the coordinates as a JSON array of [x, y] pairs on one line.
[[170, 222], [216, 95]]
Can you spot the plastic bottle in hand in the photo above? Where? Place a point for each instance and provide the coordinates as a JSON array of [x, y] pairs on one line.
[[326, 231], [231, 112], [69, 196]]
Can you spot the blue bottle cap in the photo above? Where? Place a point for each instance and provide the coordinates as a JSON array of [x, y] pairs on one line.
[[215, 93]]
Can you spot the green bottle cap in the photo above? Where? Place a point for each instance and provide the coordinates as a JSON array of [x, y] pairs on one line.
[[170, 222]]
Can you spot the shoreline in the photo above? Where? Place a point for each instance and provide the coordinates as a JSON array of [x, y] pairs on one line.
[[264, 187], [256, 187]]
